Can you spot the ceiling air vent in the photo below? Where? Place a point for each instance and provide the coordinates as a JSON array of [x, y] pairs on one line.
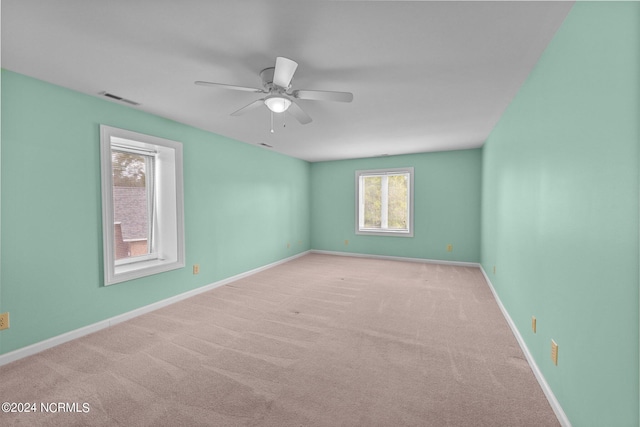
[[266, 145], [118, 98]]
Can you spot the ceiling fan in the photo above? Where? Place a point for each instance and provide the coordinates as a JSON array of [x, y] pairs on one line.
[[276, 84]]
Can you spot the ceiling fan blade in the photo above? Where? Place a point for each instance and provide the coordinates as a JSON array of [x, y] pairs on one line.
[[297, 112], [283, 72], [253, 105], [233, 87], [323, 95]]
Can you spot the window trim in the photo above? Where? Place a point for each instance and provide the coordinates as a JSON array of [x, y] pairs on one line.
[[385, 232], [168, 222]]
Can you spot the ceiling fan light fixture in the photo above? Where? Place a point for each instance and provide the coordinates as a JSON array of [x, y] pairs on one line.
[[277, 104]]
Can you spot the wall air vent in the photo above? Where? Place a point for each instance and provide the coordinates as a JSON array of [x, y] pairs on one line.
[[118, 98]]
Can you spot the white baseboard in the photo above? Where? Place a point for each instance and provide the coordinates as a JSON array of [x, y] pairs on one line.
[[398, 258], [555, 405], [86, 330]]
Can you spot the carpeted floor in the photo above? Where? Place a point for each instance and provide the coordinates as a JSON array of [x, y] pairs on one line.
[[319, 341]]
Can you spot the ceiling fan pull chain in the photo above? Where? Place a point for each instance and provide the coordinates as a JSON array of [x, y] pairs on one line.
[[271, 121]]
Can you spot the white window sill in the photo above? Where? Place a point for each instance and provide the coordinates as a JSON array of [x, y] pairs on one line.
[[381, 232], [139, 269]]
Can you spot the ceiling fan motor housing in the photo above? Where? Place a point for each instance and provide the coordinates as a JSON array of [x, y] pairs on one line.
[[267, 78]]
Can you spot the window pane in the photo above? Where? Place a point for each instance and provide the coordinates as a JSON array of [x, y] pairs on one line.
[[385, 202], [372, 201], [130, 204], [397, 213]]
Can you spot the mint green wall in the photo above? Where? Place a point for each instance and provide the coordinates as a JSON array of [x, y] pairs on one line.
[[560, 212], [447, 206], [558, 217], [243, 205]]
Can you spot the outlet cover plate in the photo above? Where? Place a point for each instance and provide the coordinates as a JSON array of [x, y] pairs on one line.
[[4, 321]]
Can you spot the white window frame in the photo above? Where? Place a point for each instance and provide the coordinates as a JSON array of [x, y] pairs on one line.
[[359, 219], [167, 219]]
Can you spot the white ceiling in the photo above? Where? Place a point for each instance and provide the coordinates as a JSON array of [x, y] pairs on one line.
[[426, 76]]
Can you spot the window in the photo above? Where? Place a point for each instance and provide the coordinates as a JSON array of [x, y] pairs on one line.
[[384, 204], [142, 204]]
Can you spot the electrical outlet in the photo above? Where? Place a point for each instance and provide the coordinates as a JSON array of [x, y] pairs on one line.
[[346, 243], [4, 321], [554, 352], [449, 247], [288, 245], [196, 268], [533, 324], [494, 269]]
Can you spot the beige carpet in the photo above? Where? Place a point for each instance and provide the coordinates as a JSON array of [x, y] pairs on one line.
[[318, 341]]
